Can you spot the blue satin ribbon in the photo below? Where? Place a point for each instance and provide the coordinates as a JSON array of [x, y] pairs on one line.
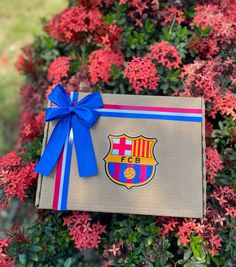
[[80, 117]]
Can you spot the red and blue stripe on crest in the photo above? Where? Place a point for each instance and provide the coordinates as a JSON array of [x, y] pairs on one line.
[[143, 172]]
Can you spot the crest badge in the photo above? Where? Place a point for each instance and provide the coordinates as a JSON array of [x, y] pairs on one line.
[[130, 161]]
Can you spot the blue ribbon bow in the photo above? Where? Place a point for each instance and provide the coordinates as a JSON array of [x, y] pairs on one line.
[[80, 117]]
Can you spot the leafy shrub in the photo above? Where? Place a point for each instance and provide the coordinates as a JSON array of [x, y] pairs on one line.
[[151, 47]]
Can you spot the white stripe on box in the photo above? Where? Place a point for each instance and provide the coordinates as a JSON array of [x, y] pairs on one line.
[[149, 112]]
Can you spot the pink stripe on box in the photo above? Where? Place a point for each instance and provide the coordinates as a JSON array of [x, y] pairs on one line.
[[57, 182], [160, 109]]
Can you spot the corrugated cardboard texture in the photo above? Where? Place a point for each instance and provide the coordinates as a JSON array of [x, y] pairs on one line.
[[178, 188]]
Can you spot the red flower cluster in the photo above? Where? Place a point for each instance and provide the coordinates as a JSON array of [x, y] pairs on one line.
[[26, 63], [32, 97], [226, 104], [187, 227], [213, 164], [111, 39], [72, 22], [140, 10], [31, 126], [80, 81], [58, 69], [206, 78], [15, 177], [208, 131], [85, 234], [141, 73], [222, 26], [205, 47], [100, 64], [95, 3], [165, 54], [32, 116], [171, 15], [225, 196], [5, 260]]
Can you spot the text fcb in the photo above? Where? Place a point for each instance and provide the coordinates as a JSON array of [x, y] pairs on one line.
[[130, 161]]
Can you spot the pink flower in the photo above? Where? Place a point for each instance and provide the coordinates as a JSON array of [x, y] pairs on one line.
[[168, 225], [213, 163], [215, 243], [206, 78], [223, 195], [31, 126], [15, 177], [5, 260], [86, 235], [111, 39], [231, 211], [219, 220], [58, 69], [141, 73], [221, 25], [73, 22], [172, 14], [27, 63], [204, 46], [100, 64], [113, 250], [95, 3], [165, 54], [226, 104]]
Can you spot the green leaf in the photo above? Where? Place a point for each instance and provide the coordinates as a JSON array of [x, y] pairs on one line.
[[67, 263], [149, 240], [35, 257], [140, 229], [187, 254], [35, 248], [22, 258], [215, 260]]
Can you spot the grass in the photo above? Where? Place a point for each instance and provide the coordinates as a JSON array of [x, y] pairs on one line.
[[20, 22]]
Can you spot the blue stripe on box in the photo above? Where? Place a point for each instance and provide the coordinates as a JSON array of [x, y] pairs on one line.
[[149, 116]]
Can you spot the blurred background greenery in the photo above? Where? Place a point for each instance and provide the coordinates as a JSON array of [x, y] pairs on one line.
[[20, 22]]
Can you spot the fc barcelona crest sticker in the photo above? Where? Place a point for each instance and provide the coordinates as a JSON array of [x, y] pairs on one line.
[[130, 161]]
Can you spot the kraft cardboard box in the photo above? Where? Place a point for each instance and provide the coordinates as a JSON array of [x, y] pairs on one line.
[[150, 158]]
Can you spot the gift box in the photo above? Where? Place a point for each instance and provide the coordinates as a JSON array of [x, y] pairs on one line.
[[123, 154]]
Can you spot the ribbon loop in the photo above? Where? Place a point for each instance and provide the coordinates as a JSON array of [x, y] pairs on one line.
[[80, 118]]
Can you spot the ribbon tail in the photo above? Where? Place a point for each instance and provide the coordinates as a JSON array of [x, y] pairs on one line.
[[53, 147], [84, 149]]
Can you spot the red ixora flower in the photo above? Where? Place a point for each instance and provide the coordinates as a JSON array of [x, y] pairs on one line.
[[31, 126], [172, 14], [100, 64], [213, 163], [26, 62], [5, 260], [95, 3], [86, 235], [165, 54], [111, 39], [15, 177], [58, 69], [206, 78], [214, 16], [141, 73], [72, 22]]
